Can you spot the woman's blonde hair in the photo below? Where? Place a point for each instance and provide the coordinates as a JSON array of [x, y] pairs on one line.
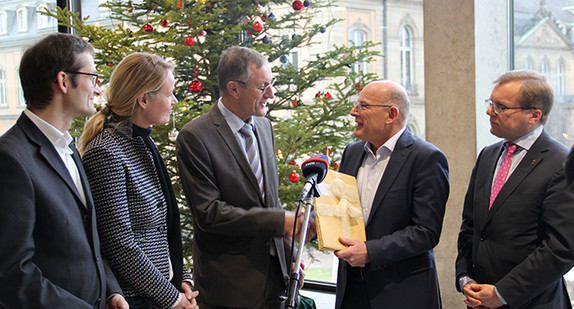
[[135, 75]]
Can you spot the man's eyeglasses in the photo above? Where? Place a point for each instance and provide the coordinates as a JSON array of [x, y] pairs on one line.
[[362, 106], [499, 108], [93, 76], [261, 88]]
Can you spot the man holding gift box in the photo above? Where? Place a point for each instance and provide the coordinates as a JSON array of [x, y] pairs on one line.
[[403, 188]]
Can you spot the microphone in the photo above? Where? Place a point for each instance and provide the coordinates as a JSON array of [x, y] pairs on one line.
[[314, 170]]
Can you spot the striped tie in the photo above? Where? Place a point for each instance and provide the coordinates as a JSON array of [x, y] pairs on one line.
[[252, 153]]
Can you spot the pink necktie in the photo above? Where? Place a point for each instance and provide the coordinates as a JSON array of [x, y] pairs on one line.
[[502, 172]]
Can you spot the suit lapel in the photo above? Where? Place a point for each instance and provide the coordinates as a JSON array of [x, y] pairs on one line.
[[49, 153], [231, 142], [396, 162], [532, 158], [490, 167]]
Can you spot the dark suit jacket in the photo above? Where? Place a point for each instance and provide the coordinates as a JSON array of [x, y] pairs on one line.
[[233, 225], [404, 225], [50, 254], [524, 244], [132, 217]]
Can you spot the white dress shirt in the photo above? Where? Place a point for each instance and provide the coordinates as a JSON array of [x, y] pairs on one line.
[[61, 142], [371, 172]]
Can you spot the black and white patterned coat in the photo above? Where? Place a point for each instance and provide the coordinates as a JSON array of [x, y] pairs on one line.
[[131, 213]]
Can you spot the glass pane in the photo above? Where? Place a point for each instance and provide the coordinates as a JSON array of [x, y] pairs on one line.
[[543, 38]]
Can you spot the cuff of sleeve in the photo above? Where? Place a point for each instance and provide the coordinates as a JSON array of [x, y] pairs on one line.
[[462, 281], [500, 296], [176, 301]]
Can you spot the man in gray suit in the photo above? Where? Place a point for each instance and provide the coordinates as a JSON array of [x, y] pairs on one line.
[[50, 256], [229, 174], [517, 239]]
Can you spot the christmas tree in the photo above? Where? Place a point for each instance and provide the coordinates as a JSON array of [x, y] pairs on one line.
[[192, 34]]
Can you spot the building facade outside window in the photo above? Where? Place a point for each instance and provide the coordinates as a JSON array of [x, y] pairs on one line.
[[406, 57], [22, 19], [358, 37], [3, 22], [560, 79], [43, 20], [3, 90]]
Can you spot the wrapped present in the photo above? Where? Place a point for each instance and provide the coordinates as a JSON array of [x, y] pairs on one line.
[[338, 211]]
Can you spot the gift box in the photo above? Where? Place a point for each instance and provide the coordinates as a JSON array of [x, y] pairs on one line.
[[338, 211]]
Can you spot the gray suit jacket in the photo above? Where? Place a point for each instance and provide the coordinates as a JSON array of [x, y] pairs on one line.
[[404, 225], [233, 225], [525, 243], [50, 254]]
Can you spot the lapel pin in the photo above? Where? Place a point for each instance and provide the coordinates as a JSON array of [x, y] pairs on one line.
[[533, 162]]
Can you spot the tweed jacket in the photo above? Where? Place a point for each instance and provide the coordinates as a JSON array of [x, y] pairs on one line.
[[131, 213]]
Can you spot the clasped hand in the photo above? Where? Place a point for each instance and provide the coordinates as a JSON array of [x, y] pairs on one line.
[[481, 296]]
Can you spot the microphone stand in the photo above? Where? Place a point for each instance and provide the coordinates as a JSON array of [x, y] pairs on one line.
[[295, 275]]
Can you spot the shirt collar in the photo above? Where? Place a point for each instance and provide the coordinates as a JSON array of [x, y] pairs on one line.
[[388, 145], [55, 136], [235, 123], [527, 140]]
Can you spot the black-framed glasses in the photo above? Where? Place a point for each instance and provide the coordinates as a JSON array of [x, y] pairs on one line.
[[362, 106], [499, 108], [93, 76], [261, 88]]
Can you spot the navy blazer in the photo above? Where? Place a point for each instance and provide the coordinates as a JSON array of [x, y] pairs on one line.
[[50, 254], [525, 243], [404, 225], [132, 217], [233, 223]]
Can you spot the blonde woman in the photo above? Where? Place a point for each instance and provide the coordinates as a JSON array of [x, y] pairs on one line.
[[136, 209]]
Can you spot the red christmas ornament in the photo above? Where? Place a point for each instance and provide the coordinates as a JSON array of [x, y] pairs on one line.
[[148, 27], [179, 5], [328, 95], [298, 5], [293, 162], [335, 166], [318, 94], [294, 177], [189, 41], [202, 33], [164, 23], [195, 86], [295, 102], [257, 27]]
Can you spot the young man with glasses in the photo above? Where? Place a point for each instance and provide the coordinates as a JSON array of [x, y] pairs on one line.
[[516, 238], [403, 189], [50, 254], [229, 174]]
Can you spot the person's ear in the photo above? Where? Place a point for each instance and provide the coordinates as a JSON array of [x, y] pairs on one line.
[[142, 100], [536, 116], [393, 114], [63, 82], [233, 88]]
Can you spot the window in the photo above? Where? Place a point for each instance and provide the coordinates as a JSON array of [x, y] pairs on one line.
[[544, 68], [560, 79], [406, 58], [3, 22], [3, 97], [358, 38], [43, 20], [529, 65], [22, 19]]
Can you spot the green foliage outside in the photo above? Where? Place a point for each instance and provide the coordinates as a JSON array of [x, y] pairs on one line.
[[301, 128]]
